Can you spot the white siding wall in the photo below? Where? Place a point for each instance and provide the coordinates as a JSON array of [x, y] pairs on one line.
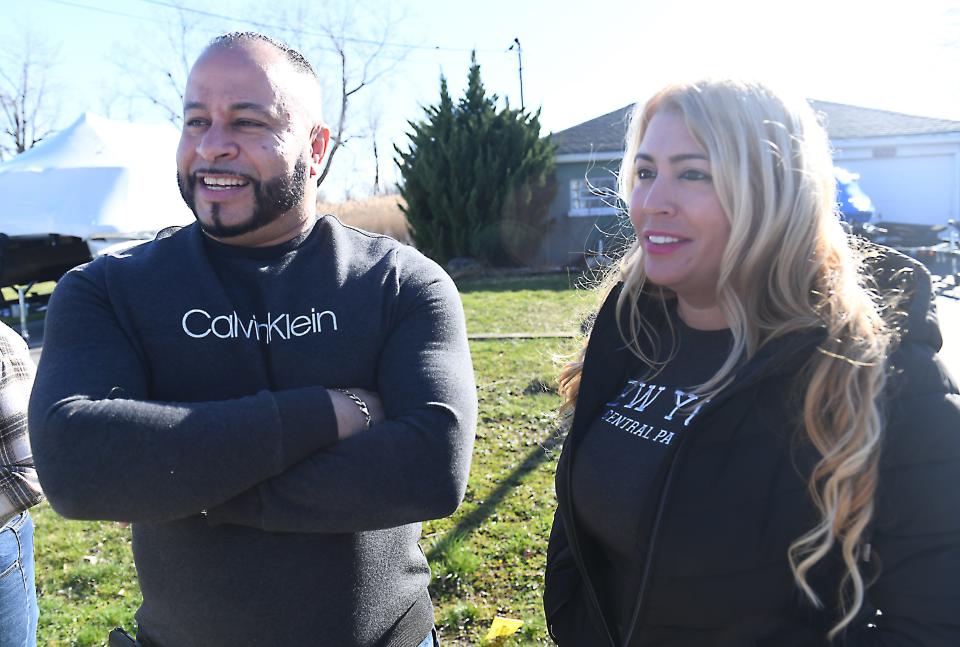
[[909, 179]]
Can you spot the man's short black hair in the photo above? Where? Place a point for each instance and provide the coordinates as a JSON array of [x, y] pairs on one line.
[[239, 37]]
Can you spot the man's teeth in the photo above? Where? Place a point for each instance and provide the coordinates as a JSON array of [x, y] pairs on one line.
[[219, 183], [662, 240]]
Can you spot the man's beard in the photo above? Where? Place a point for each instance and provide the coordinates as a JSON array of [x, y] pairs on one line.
[[271, 199]]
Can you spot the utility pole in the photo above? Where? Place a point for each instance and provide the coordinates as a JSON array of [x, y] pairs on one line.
[[516, 43]]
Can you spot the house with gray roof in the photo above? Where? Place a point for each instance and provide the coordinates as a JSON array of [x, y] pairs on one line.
[[909, 165]]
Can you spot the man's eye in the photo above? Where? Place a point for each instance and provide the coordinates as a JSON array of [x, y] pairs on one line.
[[248, 123], [694, 175], [195, 122]]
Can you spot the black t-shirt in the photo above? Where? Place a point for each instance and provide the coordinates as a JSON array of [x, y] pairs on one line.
[[622, 460]]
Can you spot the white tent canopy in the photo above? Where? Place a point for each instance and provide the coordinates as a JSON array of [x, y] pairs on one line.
[[98, 179]]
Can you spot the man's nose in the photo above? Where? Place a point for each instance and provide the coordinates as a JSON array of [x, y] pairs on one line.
[[216, 144]]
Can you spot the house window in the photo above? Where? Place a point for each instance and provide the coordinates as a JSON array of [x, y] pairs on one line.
[[594, 196]]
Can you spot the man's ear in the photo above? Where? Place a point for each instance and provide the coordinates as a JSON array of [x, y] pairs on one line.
[[320, 140]]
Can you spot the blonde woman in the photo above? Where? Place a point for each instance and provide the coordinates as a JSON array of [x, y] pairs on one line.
[[764, 449]]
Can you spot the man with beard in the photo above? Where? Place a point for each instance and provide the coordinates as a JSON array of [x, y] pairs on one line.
[[275, 400]]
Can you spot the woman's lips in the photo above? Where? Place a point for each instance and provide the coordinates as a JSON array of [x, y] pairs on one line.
[[662, 243]]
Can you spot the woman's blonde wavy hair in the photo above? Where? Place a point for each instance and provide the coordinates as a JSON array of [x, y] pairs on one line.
[[788, 266]]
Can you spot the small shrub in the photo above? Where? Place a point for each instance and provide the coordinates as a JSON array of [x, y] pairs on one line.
[[477, 180]]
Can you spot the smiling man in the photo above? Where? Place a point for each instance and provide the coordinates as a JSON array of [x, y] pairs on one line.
[[275, 400], [242, 165]]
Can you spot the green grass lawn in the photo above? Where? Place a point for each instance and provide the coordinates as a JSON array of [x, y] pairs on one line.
[[86, 582], [487, 559], [529, 304]]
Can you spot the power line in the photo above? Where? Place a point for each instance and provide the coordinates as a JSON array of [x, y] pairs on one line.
[[349, 39], [382, 55], [403, 58], [168, 5], [102, 10]]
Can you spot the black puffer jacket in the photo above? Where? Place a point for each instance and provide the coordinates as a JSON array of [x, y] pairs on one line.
[[736, 497]]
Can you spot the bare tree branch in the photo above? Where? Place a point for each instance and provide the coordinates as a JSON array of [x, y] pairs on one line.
[[373, 127], [156, 75], [336, 137], [159, 81], [374, 66], [27, 116]]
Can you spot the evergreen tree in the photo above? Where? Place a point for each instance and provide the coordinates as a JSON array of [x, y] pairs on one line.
[[477, 181]]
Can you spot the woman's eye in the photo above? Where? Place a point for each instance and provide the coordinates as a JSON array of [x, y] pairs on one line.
[[645, 174], [694, 175]]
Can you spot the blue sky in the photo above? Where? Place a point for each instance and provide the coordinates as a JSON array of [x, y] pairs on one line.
[[581, 59]]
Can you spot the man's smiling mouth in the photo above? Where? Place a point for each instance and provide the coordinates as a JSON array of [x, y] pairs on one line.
[[219, 183]]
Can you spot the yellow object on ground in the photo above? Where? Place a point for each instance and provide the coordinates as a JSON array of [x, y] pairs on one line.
[[501, 627]]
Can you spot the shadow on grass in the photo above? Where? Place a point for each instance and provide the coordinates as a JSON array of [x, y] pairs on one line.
[[478, 515]]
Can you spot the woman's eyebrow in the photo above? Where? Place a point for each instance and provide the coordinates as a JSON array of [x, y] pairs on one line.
[[683, 157]]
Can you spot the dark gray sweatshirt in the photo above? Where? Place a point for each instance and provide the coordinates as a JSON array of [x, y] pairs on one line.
[[181, 377]]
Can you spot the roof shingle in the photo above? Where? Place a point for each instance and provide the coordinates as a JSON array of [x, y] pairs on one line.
[[606, 133]]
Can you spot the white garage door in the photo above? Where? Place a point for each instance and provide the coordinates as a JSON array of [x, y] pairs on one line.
[[920, 189]]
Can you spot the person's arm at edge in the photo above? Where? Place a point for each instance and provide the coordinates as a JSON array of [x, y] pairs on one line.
[[916, 540], [561, 577], [19, 487]]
